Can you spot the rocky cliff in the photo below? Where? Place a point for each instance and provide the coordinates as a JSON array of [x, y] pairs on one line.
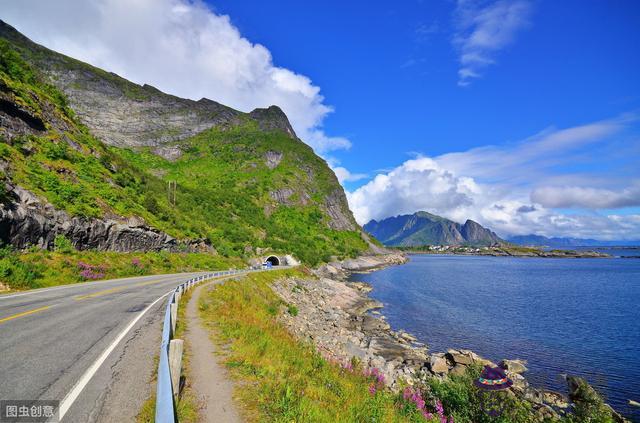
[[27, 221], [424, 228], [89, 155], [125, 114]]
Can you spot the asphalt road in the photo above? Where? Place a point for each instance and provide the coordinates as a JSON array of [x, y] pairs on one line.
[[52, 339]]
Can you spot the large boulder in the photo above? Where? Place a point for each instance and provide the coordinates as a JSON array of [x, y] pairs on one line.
[[438, 364], [463, 357], [514, 366]]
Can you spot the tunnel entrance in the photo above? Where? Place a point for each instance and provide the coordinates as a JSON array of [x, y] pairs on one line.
[[275, 261]]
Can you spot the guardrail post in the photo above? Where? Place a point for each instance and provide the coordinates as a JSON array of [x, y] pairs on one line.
[[174, 316], [175, 363]]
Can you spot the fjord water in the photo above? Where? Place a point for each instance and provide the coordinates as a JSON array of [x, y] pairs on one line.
[[571, 316]]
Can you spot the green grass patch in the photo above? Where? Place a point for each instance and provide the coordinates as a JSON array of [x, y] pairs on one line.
[[42, 268], [281, 379]]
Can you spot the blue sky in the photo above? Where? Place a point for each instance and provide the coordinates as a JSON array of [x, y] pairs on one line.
[[390, 71], [520, 114]]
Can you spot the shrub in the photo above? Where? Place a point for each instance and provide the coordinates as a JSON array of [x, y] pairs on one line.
[[292, 310], [62, 245], [468, 404], [16, 273]]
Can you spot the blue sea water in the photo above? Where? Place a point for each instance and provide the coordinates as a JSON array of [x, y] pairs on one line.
[[564, 316]]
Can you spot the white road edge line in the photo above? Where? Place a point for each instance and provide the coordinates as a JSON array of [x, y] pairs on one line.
[[70, 398]]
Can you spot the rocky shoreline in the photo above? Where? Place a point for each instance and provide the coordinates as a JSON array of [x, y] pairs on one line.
[[343, 322]]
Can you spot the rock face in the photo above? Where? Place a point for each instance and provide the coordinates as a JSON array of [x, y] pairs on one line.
[[27, 221], [273, 118], [273, 159], [337, 208], [125, 114], [424, 228]]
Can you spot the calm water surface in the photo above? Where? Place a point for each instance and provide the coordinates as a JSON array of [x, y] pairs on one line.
[[575, 316]]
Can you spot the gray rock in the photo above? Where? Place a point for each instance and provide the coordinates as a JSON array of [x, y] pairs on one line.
[[27, 221], [555, 399], [336, 206], [438, 364], [458, 369], [514, 366], [460, 357], [386, 348], [373, 324], [282, 195], [273, 159]]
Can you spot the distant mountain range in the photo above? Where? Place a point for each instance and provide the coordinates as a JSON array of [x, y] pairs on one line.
[[422, 228], [543, 241]]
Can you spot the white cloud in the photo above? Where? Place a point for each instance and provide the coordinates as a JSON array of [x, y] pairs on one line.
[[344, 175], [482, 30], [180, 47], [505, 187], [587, 197]]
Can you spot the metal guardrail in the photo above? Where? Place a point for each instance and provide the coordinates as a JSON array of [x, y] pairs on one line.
[[165, 406]]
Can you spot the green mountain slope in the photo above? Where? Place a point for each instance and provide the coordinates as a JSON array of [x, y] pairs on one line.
[[424, 228], [237, 182]]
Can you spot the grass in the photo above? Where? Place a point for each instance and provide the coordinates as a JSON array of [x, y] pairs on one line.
[[42, 268], [187, 406], [281, 379]]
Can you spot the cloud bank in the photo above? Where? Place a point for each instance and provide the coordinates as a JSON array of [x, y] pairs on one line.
[[516, 189], [181, 47], [482, 29]]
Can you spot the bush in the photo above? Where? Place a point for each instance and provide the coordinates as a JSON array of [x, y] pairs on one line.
[[62, 245], [292, 310], [16, 273], [468, 404]]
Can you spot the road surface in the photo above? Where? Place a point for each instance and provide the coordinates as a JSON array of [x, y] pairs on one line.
[[90, 346]]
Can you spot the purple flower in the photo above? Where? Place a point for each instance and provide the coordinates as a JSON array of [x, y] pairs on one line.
[[440, 410], [372, 389]]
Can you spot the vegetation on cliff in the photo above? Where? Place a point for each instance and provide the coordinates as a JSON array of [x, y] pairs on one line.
[[238, 187]]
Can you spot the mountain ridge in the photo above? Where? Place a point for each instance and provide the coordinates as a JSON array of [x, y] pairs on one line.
[[124, 114], [423, 228]]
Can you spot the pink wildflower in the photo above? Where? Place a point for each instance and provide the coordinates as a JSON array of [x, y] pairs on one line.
[[440, 409], [372, 389]]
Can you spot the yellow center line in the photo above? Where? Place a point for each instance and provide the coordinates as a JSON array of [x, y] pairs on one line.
[[112, 290], [24, 313]]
